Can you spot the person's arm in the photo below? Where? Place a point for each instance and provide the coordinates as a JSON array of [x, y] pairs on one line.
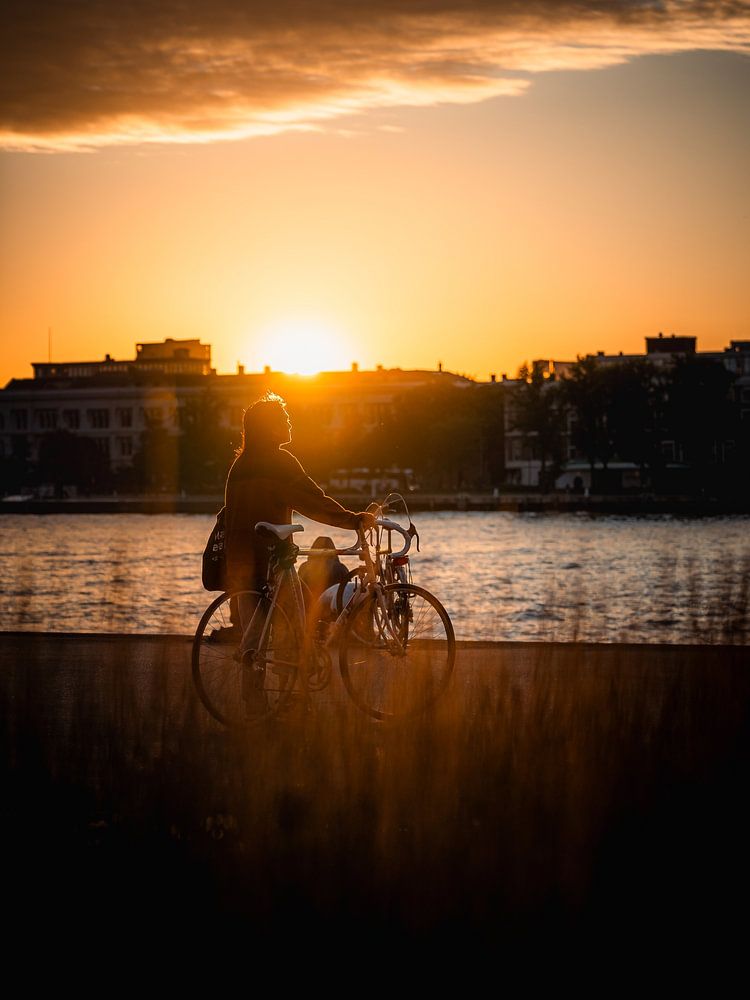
[[309, 499]]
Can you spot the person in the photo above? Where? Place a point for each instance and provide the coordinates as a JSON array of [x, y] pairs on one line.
[[319, 573], [267, 483]]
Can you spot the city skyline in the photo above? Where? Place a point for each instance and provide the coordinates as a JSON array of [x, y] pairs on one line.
[[454, 183], [194, 357]]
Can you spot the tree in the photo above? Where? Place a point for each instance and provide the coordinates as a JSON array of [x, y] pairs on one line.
[[67, 459], [14, 468], [204, 451], [438, 431], [537, 414], [700, 416], [584, 390], [156, 462], [634, 397]]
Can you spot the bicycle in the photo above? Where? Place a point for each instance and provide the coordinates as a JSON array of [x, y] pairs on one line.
[[390, 566], [394, 642]]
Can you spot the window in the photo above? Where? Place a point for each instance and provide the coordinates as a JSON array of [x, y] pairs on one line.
[[102, 445], [124, 416], [125, 447], [72, 419], [46, 419], [19, 419], [98, 419]]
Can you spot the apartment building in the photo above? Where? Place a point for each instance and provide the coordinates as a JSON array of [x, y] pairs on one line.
[[113, 402], [523, 464]]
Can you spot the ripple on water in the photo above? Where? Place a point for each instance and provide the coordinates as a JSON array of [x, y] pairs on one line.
[[501, 575]]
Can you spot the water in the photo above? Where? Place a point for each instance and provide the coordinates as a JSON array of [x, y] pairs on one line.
[[500, 575]]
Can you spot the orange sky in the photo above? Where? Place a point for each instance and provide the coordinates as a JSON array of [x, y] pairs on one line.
[[471, 191]]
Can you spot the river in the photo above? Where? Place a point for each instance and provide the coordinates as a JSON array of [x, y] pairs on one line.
[[553, 577]]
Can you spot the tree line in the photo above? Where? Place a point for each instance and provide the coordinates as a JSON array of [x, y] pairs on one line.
[[679, 424]]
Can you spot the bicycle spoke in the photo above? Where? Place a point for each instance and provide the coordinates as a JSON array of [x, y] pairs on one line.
[[396, 656], [237, 693]]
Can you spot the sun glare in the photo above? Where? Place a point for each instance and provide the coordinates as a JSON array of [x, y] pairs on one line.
[[301, 347]]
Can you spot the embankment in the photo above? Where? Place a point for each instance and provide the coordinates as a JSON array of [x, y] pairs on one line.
[[461, 501]]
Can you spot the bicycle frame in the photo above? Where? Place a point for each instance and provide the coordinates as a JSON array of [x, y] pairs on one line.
[[284, 576], [393, 567]]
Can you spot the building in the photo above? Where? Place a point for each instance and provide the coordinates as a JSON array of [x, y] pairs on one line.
[[168, 357], [111, 407], [523, 464], [113, 403]]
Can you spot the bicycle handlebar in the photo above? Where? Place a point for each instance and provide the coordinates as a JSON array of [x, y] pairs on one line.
[[356, 549], [384, 522]]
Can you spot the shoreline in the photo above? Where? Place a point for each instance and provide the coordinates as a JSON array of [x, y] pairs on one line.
[[432, 502], [468, 645]]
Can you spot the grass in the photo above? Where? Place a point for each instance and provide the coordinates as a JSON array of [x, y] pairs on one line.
[[556, 793]]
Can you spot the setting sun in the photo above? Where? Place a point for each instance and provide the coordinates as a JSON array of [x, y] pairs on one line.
[[300, 347]]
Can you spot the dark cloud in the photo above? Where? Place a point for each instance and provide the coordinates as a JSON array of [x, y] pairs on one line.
[[82, 73]]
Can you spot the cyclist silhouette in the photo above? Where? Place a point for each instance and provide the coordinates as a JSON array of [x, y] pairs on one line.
[[267, 483]]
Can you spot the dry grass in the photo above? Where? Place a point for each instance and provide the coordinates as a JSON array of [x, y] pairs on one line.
[[555, 791]]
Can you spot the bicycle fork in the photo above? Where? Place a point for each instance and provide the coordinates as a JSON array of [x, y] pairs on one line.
[[393, 639]]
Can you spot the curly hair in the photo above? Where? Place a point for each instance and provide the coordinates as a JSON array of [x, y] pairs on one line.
[[262, 418]]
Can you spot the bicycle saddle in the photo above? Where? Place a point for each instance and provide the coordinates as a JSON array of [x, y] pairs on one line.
[[280, 531]]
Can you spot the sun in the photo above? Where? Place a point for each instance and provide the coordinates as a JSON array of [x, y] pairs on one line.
[[301, 347]]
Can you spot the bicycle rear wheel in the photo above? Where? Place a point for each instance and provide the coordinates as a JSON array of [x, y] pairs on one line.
[[397, 652], [237, 694]]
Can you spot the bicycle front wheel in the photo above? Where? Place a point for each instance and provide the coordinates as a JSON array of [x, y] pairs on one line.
[[397, 652], [236, 693]]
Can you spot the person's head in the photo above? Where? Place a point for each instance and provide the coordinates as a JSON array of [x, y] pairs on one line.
[[324, 564], [266, 423], [323, 542]]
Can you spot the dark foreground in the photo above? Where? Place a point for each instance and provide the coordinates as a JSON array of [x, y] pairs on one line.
[[577, 799]]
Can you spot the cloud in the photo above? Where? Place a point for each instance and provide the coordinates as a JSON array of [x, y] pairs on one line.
[[97, 72]]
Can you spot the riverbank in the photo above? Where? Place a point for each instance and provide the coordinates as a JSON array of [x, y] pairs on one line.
[[516, 502], [559, 795]]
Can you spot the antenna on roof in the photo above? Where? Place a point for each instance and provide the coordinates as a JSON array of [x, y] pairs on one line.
[[49, 344]]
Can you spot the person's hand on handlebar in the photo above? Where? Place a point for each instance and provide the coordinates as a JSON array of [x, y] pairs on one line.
[[366, 520]]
